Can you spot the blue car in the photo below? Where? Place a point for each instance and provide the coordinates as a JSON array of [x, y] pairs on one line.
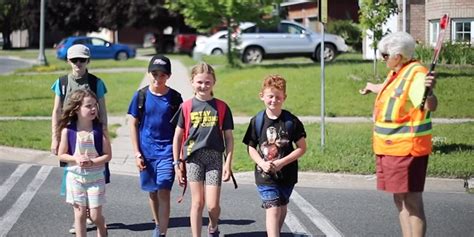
[[100, 49]]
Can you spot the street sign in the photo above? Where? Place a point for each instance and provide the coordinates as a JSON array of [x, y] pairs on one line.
[[323, 11]]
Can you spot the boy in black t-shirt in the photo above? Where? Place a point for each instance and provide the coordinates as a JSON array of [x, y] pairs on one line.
[[269, 139]]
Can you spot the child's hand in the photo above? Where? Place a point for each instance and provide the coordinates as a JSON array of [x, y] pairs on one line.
[[140, 162], [267, 166], [181, 173], [277, 166], [226, 174]]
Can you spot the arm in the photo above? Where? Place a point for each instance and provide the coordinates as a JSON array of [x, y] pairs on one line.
[[63, 149], [106, 150], [229, 150], [370, 87], [134, 136], [179, 169], [266, 166], [55, 116], [294, 155]]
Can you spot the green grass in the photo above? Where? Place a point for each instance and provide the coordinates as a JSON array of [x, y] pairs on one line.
[[30, 95], [348, 147], [343, 80]]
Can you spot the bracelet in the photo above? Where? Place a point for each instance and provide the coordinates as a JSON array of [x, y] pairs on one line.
[[176, 162]]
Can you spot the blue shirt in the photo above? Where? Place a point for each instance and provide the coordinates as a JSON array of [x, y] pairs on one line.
[[156, 131]]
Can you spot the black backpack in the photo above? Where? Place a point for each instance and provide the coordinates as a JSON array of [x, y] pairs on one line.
[[63, 82], [176, 101]]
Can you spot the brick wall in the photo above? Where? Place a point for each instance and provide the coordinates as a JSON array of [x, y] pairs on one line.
[[456, 9]]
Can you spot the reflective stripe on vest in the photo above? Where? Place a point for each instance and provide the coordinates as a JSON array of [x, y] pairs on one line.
[[403, 131]]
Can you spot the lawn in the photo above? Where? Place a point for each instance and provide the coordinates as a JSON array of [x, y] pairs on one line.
[[348, 147], [30, 95]]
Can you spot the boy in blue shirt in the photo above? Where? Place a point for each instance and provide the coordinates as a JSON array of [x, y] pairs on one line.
[[152, 138]]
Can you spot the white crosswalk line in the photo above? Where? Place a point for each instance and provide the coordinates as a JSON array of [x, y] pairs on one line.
[[11, 216], [13, 179], [295, 225], [324, 224]]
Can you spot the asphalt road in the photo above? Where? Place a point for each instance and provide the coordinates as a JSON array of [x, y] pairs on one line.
[[30, 205], [8, 65]]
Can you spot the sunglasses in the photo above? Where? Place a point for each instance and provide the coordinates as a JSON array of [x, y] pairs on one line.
[[385, 55], [75, 60]]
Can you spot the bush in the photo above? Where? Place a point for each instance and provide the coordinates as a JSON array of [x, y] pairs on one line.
[[347, 30], [451, 53]]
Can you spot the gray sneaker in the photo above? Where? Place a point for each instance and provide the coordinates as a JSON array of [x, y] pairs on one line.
[[156, 231]]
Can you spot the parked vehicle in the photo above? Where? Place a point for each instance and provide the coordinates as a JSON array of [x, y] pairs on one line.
[[179, 43], [99, 48], [216, 44], [287, 39]]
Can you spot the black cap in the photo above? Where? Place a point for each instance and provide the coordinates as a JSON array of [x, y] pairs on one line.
[[160, 63]]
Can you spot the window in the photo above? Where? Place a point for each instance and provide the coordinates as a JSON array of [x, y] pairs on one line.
[[98, 42], [434, 30], [463, 30]]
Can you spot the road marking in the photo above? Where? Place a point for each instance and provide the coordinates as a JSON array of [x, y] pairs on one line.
[[295, 225], [323, 223], [13, 179], [11, 216]]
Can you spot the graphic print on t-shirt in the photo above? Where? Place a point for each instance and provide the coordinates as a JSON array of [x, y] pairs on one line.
[[272, 149]]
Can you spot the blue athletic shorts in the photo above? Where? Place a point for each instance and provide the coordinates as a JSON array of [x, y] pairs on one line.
[[274, 196], [158, 175]]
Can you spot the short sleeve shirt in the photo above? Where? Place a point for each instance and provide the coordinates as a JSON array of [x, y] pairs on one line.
[[275, 142], [156, 131], [79, 83], [204, 130]]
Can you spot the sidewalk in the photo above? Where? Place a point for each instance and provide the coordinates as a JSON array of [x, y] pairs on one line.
[[123, 161]]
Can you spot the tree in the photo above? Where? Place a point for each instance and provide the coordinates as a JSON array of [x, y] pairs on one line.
[[9, 20], [113, 15], [207, 14], [71, 17], [373, 14]]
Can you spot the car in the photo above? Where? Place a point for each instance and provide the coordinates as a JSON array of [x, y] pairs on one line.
[[287, 39], [216, 44], [100, 49]]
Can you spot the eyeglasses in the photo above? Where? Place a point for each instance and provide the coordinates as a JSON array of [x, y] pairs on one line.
[[385, 55], [75, 60]]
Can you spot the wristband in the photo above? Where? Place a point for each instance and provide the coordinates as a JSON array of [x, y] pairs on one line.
[[176, 162], [139, 156]]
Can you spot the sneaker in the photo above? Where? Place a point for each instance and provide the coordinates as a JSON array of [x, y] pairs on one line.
[[156, 231], [89, 221], [213, 232], [72, 230]]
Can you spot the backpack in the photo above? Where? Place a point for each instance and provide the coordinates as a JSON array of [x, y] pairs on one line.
[[63, 82], [286, 116], [71, 138], [174, 103], [186, 108]]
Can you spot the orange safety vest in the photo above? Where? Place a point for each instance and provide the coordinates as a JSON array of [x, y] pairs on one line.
[[400, 128]]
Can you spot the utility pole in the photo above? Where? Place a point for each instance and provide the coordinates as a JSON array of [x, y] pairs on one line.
[[41, 56]]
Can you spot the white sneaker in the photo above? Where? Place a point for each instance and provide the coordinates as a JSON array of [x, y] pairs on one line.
[[89, 221], [72, 230]]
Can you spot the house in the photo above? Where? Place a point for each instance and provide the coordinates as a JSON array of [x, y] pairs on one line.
[[422, 21], [306, 11]]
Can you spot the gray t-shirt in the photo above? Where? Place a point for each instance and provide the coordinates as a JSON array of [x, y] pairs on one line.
[[204, 129]]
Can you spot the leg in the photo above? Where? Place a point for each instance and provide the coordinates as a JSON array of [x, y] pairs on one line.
[[213, 194], [80, 216], [273, 215], [98, 219], [197, 205], [154, 206], [164, 209], [283, 210], [412, 214]]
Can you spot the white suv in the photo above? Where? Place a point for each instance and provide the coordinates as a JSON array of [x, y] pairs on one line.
[[287, 39]]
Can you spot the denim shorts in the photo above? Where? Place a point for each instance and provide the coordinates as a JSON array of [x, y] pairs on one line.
[[274, 196], [158, 175]]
